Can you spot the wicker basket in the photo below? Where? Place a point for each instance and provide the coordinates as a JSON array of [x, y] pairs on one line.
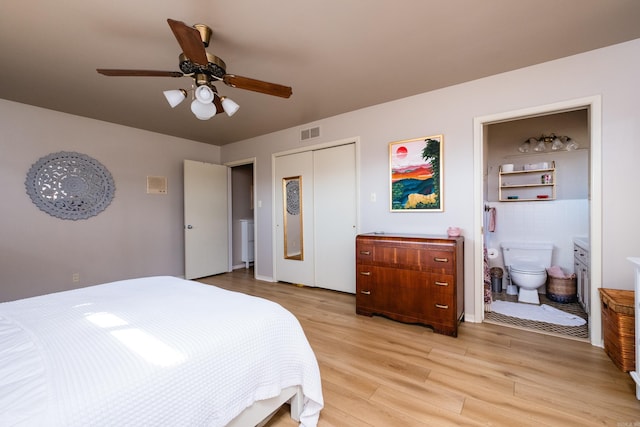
[[562, 290], [618, 324]]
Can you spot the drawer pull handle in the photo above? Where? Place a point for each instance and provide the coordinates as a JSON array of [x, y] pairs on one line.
[[441, 259], [365, 273], [442, 306], [442, 284], [366, 292], [365, 252]]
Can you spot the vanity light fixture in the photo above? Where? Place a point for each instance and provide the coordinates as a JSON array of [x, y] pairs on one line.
[[551, 142]]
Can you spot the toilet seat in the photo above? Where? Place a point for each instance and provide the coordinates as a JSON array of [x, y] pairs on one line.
[[528, 268]]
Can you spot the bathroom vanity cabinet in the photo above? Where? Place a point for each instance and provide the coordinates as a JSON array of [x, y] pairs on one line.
[[411, 278], [581, 266], [246, 241], [527, 185]]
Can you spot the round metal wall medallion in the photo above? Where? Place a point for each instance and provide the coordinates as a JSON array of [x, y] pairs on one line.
[[70, 185], [293, 198]]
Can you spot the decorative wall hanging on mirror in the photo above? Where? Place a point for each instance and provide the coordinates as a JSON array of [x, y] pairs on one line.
[[292, 192], [70, 185], [416, 174]]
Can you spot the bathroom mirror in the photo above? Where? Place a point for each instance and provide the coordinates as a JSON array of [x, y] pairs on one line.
[[292, 209]]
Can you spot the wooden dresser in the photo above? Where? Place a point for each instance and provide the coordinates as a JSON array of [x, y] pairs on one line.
[[411, 278]]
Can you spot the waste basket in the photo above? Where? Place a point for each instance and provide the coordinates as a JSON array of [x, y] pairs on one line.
[[496, 279]]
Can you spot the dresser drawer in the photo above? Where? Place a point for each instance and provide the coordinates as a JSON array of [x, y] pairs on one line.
[[364, 253], [441, 285], [390, 291], [438, 260]]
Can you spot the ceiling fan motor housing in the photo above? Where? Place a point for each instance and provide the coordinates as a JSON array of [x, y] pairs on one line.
[[215, 67]]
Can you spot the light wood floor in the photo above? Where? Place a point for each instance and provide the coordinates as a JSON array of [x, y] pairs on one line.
[[378, 372]]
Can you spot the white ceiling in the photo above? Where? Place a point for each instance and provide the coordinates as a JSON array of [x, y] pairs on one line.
[[338, 55]]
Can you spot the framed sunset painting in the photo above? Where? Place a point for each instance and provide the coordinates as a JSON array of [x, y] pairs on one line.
[[416, 174]]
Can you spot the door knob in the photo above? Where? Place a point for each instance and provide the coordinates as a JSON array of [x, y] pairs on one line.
[[189, 227]]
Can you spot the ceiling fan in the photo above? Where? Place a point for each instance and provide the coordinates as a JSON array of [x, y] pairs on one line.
[[205, 68]]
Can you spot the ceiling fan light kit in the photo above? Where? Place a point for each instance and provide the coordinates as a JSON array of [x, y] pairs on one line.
[[203, 67]]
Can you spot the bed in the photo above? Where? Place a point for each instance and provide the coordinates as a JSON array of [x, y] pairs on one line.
[[157, 351]]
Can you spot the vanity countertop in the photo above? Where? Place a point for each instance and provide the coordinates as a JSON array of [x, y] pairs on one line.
[[583, 242]]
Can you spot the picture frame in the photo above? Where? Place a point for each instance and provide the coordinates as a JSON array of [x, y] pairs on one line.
[[416, 175]]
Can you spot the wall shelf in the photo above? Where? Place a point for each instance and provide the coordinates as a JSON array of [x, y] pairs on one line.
[[527, 185]]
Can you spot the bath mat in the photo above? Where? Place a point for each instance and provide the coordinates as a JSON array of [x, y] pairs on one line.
[[539, 313]]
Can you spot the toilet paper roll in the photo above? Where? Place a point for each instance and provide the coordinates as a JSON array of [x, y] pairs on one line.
[[492, 253]]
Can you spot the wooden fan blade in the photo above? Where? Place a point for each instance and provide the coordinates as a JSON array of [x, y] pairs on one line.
[[218, 103], [257, 85], [189, 41], [138, 73]]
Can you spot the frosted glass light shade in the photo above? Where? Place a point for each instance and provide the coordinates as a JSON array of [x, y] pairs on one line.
[[540, 147], [229, 106], [557, 144], [526, 146], [571, 145], [204, 94], [175, 97], [203, 111]]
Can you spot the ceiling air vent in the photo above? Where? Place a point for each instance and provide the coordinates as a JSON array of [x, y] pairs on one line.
[[309, 133]]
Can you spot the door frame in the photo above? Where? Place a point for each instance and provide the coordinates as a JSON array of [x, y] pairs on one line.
[[248, 161], [593, 104], [276, 187]]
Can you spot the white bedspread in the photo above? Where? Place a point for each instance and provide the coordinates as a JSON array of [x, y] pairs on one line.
[[157, 351]]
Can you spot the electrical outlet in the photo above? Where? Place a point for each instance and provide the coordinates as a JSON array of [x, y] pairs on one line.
[[373, 197], [75, 277]]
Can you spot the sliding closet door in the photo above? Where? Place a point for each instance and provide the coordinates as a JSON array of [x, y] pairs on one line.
[[327, 180], [334, 179], [294, 217]]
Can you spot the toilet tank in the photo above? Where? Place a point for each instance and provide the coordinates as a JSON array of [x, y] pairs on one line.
[[538, 253]]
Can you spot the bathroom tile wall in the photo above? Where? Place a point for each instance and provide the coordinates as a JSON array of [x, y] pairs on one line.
[[557, 221]]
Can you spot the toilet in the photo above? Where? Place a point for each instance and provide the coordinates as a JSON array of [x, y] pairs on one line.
[[527, 264]]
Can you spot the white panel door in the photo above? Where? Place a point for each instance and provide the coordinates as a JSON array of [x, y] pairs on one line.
[[206, 240], [294, 270], [334, 192]]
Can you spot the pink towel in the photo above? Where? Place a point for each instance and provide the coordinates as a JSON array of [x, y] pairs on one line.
[[557, 272], [492, 219]]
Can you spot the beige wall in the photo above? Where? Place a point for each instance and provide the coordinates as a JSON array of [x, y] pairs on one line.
[[142, 235], [137, 235], [610, 72]]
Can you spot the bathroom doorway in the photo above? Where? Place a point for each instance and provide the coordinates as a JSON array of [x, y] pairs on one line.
[[242, 227], [577, 208]]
